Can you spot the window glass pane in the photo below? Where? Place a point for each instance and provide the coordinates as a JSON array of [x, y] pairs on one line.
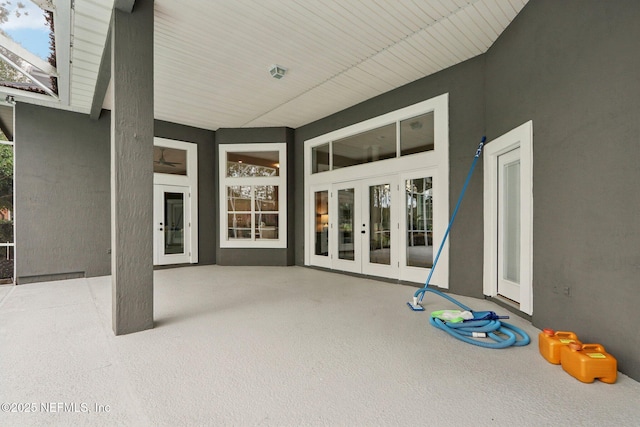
[[239, 226], [173, 223], [266, 198], [511, 242], [266, 226], [346, 206], [253, 164], [380, 224], [322, 223], [320, 158], [169, 160], [239, 211], [6, 193], [239, 198], [6, 264], [6, 212], [419, 196], [31, 27], [371, 146], [416, 134]]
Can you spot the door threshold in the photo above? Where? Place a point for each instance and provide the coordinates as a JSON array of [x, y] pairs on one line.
[[510, 305]]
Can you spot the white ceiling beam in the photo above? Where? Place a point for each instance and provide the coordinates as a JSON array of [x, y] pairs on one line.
[[19, 94], [62, 19], [102, 82]]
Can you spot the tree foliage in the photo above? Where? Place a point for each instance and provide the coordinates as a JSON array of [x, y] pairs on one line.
[[7, 9], [6, 176]]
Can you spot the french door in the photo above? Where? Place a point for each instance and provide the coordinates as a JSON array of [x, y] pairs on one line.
[[383, 226], [356, 226], [172, 225]]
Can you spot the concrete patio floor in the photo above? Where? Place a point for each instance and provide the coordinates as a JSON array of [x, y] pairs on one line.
[[280, 346]]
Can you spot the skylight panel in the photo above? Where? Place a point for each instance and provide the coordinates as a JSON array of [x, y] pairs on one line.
[[27, 46]]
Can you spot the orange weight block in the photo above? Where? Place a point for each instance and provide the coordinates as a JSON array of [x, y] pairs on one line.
[[586, 362], [550, 342]]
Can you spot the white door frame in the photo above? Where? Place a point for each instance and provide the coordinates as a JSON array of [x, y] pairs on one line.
[[521, 137], [190, 181]]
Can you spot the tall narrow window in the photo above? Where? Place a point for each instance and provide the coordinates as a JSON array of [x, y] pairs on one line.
[[253, 195]]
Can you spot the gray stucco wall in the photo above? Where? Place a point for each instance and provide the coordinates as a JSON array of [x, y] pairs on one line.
[[207, 212], [572, 67], [63, 227], [254, 256], [465, 85], [62, 194]]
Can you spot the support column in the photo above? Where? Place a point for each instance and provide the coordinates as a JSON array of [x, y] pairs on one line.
[[132, 168]]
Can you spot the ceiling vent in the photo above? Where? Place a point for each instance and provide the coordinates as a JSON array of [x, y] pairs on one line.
[[277, 71]]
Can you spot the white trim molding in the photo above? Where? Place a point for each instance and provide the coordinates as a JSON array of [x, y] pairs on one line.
[[190, 181]]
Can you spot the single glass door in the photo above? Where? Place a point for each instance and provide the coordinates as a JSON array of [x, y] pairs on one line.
[[380, 227], [172, 224]]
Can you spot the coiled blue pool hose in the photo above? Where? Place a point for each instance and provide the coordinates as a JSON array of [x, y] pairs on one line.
[[485, 324]]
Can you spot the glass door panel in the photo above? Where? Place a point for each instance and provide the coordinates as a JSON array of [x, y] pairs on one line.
[[346, 224], [321, 224], [380, 224], [509, 225], [172, 225], [380, 227], [419, 220], [345, 232]]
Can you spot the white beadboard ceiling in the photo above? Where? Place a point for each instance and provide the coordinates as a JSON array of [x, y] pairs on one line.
[[212, 58], [90, 23]]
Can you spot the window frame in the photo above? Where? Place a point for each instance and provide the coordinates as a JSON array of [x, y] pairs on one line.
[[433, 163], [280, 181]]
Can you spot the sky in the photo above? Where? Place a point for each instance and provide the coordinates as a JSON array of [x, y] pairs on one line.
[[30, 29]]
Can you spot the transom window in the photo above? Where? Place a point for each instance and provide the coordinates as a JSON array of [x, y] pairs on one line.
[[400, 138], [253, 195]]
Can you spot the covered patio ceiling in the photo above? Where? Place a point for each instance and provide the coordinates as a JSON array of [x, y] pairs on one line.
[[212, 58]]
